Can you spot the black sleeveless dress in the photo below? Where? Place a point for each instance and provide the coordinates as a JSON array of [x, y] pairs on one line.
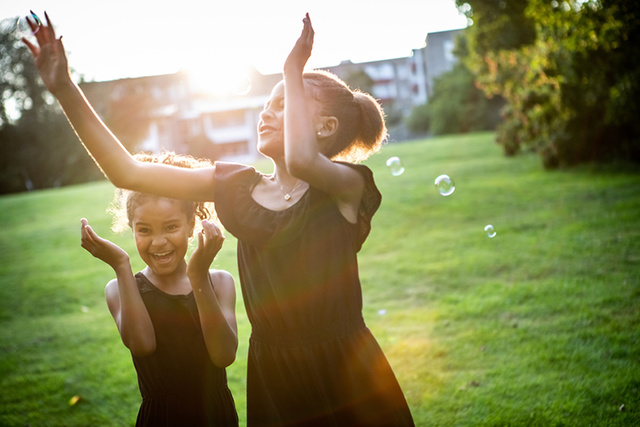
[[179, 384], [312, 361]]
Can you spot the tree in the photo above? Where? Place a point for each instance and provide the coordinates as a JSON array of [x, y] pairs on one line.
[[457, 105], [418, 121], [39, 148], [569, 76]]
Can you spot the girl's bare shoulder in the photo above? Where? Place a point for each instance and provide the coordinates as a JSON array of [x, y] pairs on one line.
[[221, 277], [111, 287]]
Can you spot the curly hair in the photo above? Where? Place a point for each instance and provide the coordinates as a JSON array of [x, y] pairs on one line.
[[126, 201], [362, 129]]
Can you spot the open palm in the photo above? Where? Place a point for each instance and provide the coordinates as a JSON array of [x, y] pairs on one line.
[[100, 248], [49, 56], [301, 51], [209, 244]]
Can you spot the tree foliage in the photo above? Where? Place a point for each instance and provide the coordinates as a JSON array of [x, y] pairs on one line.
[[457, 105], [39, 148], [570, 75]]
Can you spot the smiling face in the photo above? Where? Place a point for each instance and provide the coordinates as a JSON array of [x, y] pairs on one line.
[[271, 124], [161, 231]]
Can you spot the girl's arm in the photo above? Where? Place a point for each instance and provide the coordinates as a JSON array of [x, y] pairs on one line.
[[215, 296], [123, 298], [110, 155], [303, 157]]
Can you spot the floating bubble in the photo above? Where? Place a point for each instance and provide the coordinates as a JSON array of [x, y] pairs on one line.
[[491, 232], [445, 185], [395, 166], [382, 312], [28, 25]]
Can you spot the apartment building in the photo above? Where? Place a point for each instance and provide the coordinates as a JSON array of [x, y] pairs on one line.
[[170, 114]]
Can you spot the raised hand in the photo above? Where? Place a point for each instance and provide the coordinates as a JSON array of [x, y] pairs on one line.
[[301, 51], [49, 56], [210, 242], [101, 248]]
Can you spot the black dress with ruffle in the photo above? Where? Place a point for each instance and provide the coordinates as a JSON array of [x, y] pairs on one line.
[[312, 360], [179, 384]]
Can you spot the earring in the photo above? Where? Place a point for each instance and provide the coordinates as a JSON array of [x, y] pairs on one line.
[[319, 133]]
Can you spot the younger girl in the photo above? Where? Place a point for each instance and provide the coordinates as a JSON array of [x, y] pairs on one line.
[[312, 360], [177, 319]]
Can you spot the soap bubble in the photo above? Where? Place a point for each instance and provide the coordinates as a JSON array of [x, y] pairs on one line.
[[382, 312], [445, 185], [23, 25], [491, 232], [395, 166]]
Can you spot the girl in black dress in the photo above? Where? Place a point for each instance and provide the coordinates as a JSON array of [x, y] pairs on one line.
[[177, 319], [312, 360]]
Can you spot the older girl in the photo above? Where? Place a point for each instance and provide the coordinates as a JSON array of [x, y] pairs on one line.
[[312, 360]]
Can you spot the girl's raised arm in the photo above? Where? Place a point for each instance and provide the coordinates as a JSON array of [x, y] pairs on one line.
[[215, 295], [123, 299], [110, 155], [304, 129]]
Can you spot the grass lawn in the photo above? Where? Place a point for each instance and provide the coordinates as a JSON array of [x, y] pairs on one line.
[[538, 325]]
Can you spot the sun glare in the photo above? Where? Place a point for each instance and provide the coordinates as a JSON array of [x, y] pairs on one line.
[[225, 78]]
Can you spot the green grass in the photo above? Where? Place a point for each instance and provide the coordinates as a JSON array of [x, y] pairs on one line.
[[536, 326]]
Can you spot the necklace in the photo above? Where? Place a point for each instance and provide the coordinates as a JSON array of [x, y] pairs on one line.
[[287, 195]]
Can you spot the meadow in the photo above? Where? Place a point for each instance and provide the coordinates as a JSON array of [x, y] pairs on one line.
[[536, 326]]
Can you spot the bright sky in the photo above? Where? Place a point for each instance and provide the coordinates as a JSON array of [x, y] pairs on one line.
[[128, 38]]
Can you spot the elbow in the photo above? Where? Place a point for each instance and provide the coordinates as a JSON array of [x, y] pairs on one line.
[[300, 166], [121, 178], [224, 359], [140, 348], [295, 168], [224, 355], [228, 361], [123, 174], [119, 181]]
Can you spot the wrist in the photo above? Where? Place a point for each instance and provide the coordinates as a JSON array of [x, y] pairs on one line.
[[292, 71], [65, 90], [198, 276], [122, 265]]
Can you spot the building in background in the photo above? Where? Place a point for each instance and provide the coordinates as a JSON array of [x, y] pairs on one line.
[[167, 113]]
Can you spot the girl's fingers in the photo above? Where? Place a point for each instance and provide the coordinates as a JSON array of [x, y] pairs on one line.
[[88, 234], [40, 35], [212, 230], [35, 51], [201, 239], [49, 24], [86, 228], [86, 240], [308, 28], [47, 30], [32, 24], [83, 228], [45, 33], [211, 236], [50, 29]]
